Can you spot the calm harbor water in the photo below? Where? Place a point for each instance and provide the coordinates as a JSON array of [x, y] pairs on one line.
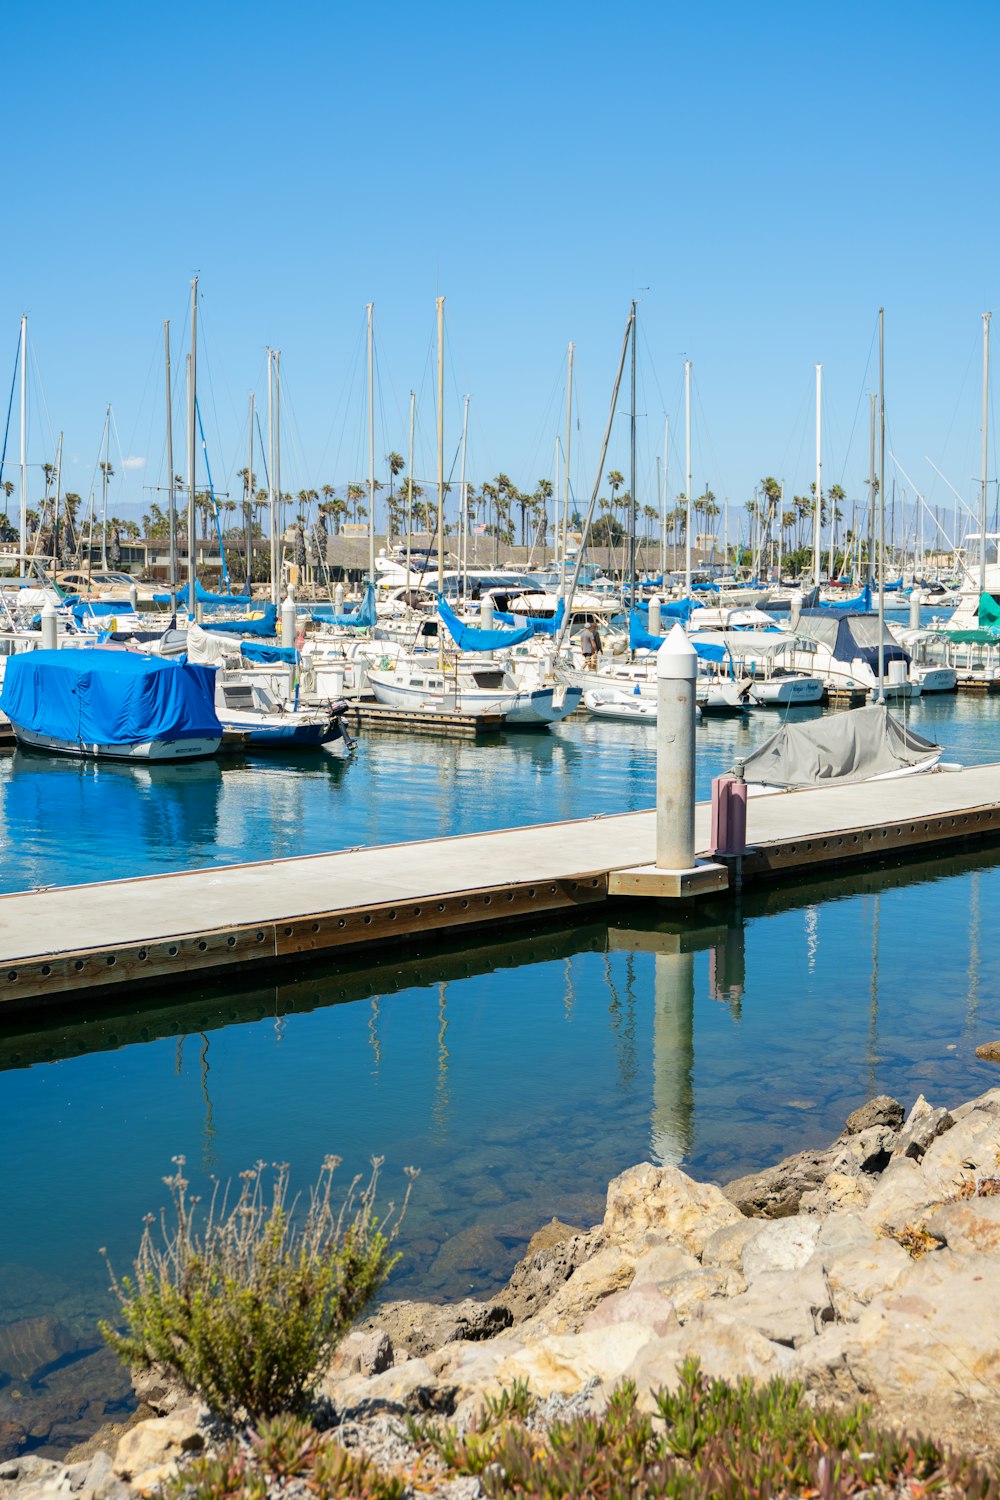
[[519, 1075]]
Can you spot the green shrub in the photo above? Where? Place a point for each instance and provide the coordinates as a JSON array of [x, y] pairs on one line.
[[246, 1304]]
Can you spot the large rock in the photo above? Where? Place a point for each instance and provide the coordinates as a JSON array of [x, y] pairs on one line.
[[419, 1327], [725, 1247], [664, 1202], [855, 1277], [923, 1125], [609, 1270], [971, 1225], [776, 1192], [690, 1291], [908, 1192], [726, 1349], [785, 1245], [882, 1110], [150, 1452], [562, 1363], [787, 1308], [663, 1262], [410, 1386], [637, 1304], [550, 1260], [989, 1051]]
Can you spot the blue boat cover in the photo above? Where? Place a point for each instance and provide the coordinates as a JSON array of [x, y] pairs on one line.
[[266, 625], [257, 651], [209, 601], [850, 636], [539, 627], [671, 609], [862, 601], [94, 697], [469, 638], [639, 639], [362, 618]]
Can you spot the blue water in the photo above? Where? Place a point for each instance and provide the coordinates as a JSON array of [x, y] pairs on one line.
[[519, 1075]]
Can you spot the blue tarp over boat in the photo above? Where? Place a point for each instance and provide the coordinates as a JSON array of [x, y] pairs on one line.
[[639, 639], [204, 598], [470, 638], [94, 697], [258, 651], [362, 618], [539, 626], [267, 624]]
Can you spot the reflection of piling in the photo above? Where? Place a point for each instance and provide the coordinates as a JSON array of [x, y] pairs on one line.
[[673, 1057]]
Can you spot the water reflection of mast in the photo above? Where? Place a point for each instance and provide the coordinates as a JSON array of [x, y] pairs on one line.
[[442, 1094], [873, 1009], [975, 957], [208, 1151], [623, 1019], [374, 1040]]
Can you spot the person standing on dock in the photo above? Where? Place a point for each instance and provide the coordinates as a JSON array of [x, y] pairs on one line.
[[591, 646]]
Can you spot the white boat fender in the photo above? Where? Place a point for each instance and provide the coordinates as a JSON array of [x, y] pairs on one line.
[[949, 765]]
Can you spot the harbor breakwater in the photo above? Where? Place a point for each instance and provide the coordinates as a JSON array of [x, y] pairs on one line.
[[864, 1270]]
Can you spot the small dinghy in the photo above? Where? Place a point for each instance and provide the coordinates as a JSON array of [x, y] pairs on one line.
[[628, 708], [861, 744]]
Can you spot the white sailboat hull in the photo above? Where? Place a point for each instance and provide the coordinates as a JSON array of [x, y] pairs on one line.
[[536, 706], [144, 750]]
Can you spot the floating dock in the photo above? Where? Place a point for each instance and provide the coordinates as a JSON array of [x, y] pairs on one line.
[[80, 940], [363, 714]]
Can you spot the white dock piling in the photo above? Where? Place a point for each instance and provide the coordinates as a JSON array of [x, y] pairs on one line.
[[133, 598], [916, 600], [795, 609], [288, 621], [654, 615], [338, 599], [676, 670], [50, 627]]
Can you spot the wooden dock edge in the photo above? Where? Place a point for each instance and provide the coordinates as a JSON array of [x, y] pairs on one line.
[[179, 957]]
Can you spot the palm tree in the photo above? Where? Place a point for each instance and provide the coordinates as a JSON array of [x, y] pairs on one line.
[[397, 464], [355, 495]]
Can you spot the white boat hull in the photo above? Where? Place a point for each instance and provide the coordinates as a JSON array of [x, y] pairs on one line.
[[144, 750], [538, 706], [780, 692]]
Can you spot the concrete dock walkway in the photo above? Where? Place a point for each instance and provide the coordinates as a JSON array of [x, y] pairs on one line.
[[162, 927]]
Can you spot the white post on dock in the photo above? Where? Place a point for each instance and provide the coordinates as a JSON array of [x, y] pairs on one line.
[[486, 617], [676, 671], [288, 620], [916, 600], [795, 604], [50, 626], [338, 599], [133, 598], [654, 615]]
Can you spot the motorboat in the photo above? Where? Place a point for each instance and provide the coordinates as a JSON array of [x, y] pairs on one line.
[[111, 705], [625, 708], [470, 687], [273, 722], [844, 649]]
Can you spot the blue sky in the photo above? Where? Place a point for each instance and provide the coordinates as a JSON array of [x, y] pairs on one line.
[[761, 177]]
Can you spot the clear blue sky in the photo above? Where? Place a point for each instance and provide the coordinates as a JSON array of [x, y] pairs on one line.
[[762, 177]]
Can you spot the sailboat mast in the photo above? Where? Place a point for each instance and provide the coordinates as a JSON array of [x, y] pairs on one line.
[[632, 511], [871, 492], [409, 490], [666, 496], [171, 495], [55, 528], [464, 534], [104, 487], [248, 513], [881, 504], [985, 455], [566, 455], [279, 536], [272, 516], [23, 528], [818, 507], [687, 453], [371, 443], [191, 395], [440, 460]]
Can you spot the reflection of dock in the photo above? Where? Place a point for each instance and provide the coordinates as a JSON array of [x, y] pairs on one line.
[[94, 937]]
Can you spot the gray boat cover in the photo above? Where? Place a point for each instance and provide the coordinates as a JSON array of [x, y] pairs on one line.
[[843, 747]]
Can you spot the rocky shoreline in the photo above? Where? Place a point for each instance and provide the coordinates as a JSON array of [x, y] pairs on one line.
[[869, 1270]]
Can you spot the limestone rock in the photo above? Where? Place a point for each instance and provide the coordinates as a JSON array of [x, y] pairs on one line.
[[725, 1247], [543, 1270], [692, 1289], [727, 1350], [637, 1304], [363, 1353], [150, 1452], [609, 1270], [662, 1262], [840, 1234], [472, 1366], [882, 1110], [419, 1327], [988, 1102], [923, 1125], [562, 1363], [989, 1051], [30, 1345], [855, 1278], [664, 1200], [776, 1192], [785, 1245], [866, 1150], [907, 1191], [410, 1386], [158, 1390], [786, 1308], [839, 1190], [971, 1225], [29, 1468]]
